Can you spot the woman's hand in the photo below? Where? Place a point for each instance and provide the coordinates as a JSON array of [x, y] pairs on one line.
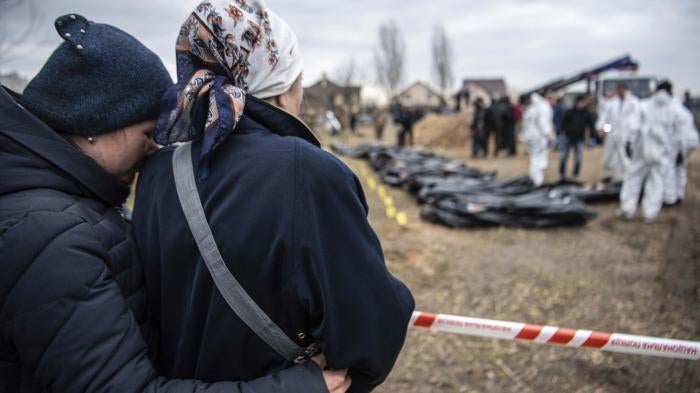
[[337, 381]]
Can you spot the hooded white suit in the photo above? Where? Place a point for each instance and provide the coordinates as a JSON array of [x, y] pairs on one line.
[[684, 141], [653, 155], [537, 128], [620, 119]]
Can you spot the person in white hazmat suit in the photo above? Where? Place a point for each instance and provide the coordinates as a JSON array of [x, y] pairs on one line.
[[536, 133], [653, 154], [683, 143], [618, 120], [333, 123]]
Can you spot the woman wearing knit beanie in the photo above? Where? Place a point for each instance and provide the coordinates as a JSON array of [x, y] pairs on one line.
[[73, 310], [288, 219]]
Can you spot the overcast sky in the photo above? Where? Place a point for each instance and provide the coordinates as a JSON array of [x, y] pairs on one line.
[[526, 42]]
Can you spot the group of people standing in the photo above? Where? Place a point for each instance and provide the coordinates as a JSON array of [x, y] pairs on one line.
[[659, 140], [497, 120], [647, 144]]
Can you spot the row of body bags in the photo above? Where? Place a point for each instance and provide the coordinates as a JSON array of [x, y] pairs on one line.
[[458, 196]]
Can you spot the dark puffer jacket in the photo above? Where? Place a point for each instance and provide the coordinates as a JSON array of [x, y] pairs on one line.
[[291, 222], [71, 286]]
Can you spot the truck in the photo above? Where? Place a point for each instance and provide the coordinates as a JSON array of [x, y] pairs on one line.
[[638, 85], [641, 86]]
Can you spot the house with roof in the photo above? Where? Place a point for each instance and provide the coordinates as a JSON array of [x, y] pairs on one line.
[[484, 88], [326, 95], [421, 96]]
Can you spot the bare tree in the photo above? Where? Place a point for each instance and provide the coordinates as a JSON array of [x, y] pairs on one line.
[[348, 73], [389, 58], [442, 59]]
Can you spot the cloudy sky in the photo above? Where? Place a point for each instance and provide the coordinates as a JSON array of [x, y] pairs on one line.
[[526, 42]]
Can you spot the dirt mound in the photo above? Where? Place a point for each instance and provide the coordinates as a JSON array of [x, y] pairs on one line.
[[443, 130]]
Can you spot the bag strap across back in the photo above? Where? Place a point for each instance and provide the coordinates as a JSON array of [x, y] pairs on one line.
[[231, 290]]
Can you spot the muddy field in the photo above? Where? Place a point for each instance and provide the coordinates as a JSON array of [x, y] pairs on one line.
[[610, 275]]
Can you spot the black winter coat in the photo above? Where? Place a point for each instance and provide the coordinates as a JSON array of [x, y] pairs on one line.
[[575, 122], [291, 223], [71, 287]]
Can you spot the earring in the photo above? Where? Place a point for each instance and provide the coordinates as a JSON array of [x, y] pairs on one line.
[[91, 140]]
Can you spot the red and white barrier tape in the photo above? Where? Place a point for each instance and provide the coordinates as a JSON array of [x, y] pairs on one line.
[[613, 342]]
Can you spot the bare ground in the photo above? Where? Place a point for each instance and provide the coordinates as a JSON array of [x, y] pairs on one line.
[[610, 275]]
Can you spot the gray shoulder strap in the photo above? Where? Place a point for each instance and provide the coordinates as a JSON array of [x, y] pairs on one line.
[[231, 290]]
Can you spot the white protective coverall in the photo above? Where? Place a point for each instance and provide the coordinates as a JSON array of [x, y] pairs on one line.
[[619, 119], [651, 157], [683, 142], [537, 129]]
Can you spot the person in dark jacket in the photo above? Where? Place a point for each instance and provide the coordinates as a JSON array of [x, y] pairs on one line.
[[478, 127], [506, 126], [558, 111], [73, 309], [574, 124], [407, 119], [688, 100], [289, 219], [492, 126]]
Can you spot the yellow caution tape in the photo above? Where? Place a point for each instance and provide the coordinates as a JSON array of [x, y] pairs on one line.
[[402, 218], [388, 201], [371, 183], [391, 212]]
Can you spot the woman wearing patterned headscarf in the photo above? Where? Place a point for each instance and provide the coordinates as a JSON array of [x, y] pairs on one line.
[[289, 219], [224, 54]]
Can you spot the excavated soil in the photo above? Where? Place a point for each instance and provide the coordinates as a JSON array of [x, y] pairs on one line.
[[443, 130]]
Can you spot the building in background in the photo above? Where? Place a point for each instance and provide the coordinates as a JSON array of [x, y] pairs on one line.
[[13, 81], [420, 96], [325, 95], [487, 89]]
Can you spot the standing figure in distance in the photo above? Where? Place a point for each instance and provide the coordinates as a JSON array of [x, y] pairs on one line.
[[619, 118], [536, 134], [573, 131], [478, 128]]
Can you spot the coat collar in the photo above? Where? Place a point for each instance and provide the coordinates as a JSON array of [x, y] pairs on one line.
[[31, 133], [277, 120]]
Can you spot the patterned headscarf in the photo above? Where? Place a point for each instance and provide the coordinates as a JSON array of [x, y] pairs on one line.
[[225, 50]]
